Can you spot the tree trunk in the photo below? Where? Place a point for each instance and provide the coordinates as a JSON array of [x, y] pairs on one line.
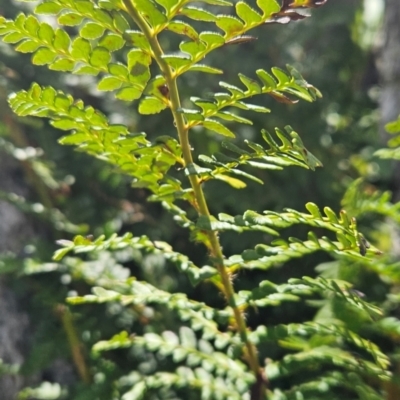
[[15, 232], [389, 63], [389, 70]]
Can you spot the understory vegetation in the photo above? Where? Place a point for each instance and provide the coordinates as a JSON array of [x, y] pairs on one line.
[[207, 198]]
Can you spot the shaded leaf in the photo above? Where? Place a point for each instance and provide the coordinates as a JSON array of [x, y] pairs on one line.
[[217, 127]]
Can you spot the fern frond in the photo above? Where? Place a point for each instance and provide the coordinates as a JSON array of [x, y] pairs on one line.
[[182, 348], [43, 390], [268, 294], [349, 239], [384, 266], [388, 154], [198, 315], [233, 27], [80, 56], [73, 13], [291, 152], [84, 245], [393, 128], [288, 335], [277, 86], [199, 379], [246, 19], [394, 153], [389, 326], [362, 199], [116, 286], [148, 163], [324, 387], [264, 256], [340, 290], [318, 357]]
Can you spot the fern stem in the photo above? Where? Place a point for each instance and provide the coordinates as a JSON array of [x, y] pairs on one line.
[[75, 344], [201, 206]]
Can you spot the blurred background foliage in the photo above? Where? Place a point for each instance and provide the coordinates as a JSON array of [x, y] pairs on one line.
[[66, 193]]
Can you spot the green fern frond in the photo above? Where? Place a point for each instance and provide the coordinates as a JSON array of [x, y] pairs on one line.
[[339, 289], [265, 256], [282, 333], [113, 284], [198, 315], [84, 245], [324, 386], [246, 19], [388, 154], [42, 391], [267, 294], [361, 199], [282, 82], [79, 56], [291, 152], [336, 337], [101, 16], [318, 357], [389, 326], [148, 163], [342, 225], [182, 348], [292, 336], [393, 128], [349, 239], [200, 379], [96, 18], [384, 266], [393, 153], [120, 41], [159, 20], [201, 45]]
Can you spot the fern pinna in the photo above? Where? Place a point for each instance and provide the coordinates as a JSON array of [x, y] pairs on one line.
[[215, 351]]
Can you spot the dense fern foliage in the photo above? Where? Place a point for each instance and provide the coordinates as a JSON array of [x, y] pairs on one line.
[[186, 348]]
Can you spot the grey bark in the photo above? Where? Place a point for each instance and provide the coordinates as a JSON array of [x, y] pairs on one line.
[[388, 64], [15, 232]]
